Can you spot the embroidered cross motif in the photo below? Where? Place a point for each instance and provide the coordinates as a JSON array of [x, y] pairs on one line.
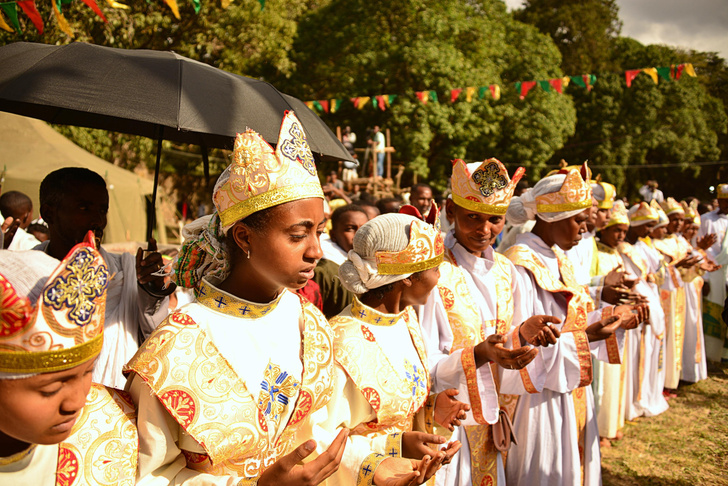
[[391, 321], [393, 453], [378, 320], [489, 179], [220, 302], [201, 290], [416, 377], [367, 470], [78, 287], [277, 388], [296, 148], [244, 310], [362, 314]]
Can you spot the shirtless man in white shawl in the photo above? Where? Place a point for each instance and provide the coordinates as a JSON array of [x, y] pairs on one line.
[[74, 201]]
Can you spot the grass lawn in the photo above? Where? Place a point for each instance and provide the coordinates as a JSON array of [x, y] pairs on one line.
[[686, 445]]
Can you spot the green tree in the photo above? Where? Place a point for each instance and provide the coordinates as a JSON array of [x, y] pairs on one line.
[[583, 30], [374, 47]]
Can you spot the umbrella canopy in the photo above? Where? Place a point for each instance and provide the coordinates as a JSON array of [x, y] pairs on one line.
[[160, 95]]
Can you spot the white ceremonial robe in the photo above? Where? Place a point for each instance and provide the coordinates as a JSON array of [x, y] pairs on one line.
[[446, 365], [583, 256], [22, 240], [546, 423], [332, 251], [235, 360], [694, 364], [350, 409], [131, 315], [715, 328]]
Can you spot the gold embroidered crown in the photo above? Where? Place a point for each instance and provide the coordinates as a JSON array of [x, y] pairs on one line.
[[662, 218], [691, 211], [619, 215], [261, 178], [609, 193], [575, 193], [722, 191], [65, 327], [483, 187], [642, 212], [671, 206], [425, 250]]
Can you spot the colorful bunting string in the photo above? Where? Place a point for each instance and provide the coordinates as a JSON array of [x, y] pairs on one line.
[[558, 85]]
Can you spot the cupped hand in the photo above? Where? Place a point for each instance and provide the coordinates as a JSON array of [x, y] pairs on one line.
[[449, 411], [603, 329], [537, 331], [146, 266], [289, 470], [416, 444], [492, 349], [706, 241], [398, 471]]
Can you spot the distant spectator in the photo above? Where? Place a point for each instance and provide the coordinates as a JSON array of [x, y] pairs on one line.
[[371, 209], [334, 180], [16, 205], [377, 144], [650, 191], [348, 138], [40, 231], [421, 198], [388, 205]]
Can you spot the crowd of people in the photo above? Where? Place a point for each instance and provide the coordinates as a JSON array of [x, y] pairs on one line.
[[501, 335]]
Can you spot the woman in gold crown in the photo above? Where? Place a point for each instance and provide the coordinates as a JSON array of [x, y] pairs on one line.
[[226, 387], [554, 421], [58, 428], [381, 381]]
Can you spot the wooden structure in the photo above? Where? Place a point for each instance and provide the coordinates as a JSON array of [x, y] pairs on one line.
[[378, 186]]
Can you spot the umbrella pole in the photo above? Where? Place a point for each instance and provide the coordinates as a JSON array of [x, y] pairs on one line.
[[153, 216]]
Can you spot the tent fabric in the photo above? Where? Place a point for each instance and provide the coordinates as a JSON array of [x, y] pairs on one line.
[[30, 149]]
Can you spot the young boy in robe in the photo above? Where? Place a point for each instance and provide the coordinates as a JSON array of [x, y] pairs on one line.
[[57, 428]]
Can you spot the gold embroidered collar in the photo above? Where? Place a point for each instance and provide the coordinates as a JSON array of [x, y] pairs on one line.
[[606, 249], [17, 457], [373, 317], [217, 300]]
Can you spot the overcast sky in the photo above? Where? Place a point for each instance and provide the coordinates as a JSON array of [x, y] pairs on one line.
[[695, 24]]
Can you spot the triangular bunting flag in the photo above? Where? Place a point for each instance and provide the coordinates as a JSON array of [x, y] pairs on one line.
[[335, 104], [172, 4], [677, 71], [390, 99], [318, 106], [381, 103], [62, 23], [92, 5], [545, 85], [28, 7], [433, 96], [689, 70], [324, 105], [362, 101], [630, 75], [578, 80], [454, 93], [589, 80], [482, 91], [310, 104], [11, 10], [4, 25], [566, 80], [196, 4], [422, 96], [652, 72], [469, 92], [557, 84], [664, 73], [115, 4], [525, 87], [494, 91]]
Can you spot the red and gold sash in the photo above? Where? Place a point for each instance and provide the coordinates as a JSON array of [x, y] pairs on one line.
[[394, 393], [103, 446], [468, 331], [578, 304], [199, 388]]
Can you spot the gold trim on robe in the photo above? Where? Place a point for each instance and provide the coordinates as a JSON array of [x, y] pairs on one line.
[[103, 446], [468, 331], [200, 389], [394, 393]]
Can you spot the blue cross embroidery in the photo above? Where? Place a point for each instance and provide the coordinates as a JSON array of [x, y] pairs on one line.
[[220, 302], [265, 311], [393, 453], [367, 469], [391, 321], [362, 313], [244, 310], [202, 291], [378, 320]]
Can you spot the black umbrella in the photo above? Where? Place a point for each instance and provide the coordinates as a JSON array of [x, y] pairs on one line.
[[160, 95]]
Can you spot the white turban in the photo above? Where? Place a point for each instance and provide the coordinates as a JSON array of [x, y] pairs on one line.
[[523, 207], [388, 232]]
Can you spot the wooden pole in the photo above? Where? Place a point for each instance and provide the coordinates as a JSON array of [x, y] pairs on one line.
[[389, 156]]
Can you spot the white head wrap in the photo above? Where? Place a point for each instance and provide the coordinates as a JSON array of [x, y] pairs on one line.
[[598, 192], [523, 207], [388, 232]]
